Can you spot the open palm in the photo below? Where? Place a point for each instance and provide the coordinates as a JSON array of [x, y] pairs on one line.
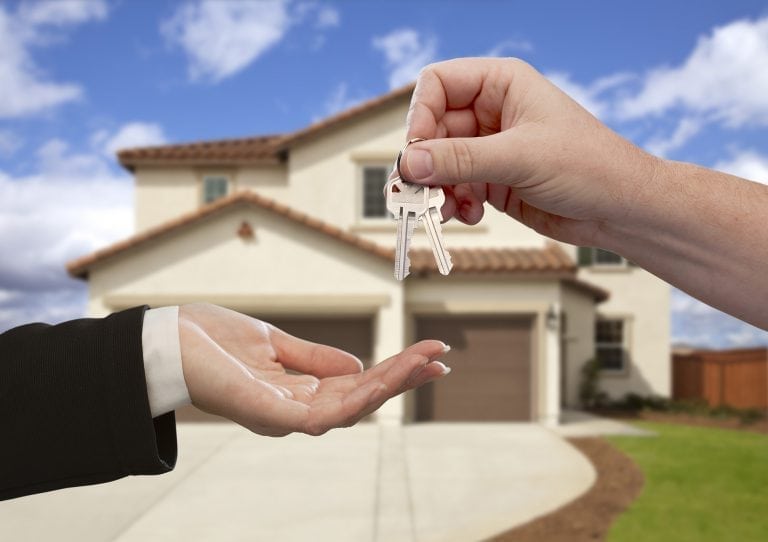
[[238, 367]]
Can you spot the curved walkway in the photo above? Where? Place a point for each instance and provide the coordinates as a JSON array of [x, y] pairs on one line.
[[424, 482]]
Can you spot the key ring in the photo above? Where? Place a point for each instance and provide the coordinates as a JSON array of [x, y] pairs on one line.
[[400, 155]]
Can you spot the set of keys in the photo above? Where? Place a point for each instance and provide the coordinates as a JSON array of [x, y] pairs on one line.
[[410, 204]]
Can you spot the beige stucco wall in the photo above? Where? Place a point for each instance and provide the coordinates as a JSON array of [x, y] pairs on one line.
[[163, 194], [208, 260], [643, 300], [324, 170], [270, 181], [577, 339]]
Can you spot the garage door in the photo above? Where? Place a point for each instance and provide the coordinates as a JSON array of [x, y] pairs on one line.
[[490, 360], [353, 334]]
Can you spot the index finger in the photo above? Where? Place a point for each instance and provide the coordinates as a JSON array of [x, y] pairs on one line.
[[479, 84]]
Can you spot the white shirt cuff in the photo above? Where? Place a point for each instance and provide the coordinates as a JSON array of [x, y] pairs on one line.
[[166, 387]]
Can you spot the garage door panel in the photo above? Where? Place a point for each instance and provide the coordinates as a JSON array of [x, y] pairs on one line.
[[491, 369]]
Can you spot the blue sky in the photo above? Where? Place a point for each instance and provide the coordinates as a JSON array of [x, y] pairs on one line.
[[79, 80]]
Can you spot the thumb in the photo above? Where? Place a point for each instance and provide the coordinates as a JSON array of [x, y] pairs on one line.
[[311, 358], [455, 160]]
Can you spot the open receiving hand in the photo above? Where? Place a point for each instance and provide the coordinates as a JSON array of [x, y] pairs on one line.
[[237, 367], [498, 131]]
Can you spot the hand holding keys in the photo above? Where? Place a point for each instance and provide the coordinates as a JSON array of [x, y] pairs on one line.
[[409, 203]]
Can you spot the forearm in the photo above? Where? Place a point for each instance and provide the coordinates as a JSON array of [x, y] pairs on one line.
[[702, 231], [73, 406]]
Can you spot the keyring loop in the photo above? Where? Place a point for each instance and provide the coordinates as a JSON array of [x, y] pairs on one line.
[[400, 155]]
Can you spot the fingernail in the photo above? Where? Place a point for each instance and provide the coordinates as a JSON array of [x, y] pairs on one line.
[[446, 369], [466, 213], [446, 348], [419, 164]]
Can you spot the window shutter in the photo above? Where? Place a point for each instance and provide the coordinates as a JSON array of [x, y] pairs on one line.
[[585, 256]]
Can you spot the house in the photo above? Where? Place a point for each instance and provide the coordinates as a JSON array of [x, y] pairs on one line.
[[292, 228]]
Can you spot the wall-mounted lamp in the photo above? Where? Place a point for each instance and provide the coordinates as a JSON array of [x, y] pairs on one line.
[[553, 317]]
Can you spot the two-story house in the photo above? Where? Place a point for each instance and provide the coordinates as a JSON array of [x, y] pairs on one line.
[[293, 229]]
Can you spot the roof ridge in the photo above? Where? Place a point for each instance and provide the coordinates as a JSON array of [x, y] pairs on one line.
[[204, 142]]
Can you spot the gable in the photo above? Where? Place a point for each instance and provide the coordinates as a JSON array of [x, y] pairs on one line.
[[211, 257]]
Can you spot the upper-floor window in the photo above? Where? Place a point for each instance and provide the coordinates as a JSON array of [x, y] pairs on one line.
[[611, 344], [214, 187], [374, 203], [600, 257]]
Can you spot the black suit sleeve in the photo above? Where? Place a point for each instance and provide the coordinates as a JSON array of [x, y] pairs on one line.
[[74, 408]]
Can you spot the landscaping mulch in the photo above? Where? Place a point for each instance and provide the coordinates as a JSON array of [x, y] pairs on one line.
[[589, 517]]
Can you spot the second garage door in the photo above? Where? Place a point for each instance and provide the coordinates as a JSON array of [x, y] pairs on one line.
[[490, 360]]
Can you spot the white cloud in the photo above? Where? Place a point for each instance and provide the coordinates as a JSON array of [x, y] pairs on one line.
[[748, 164], [328, 17], [697, 324], [9, 143], [72, 204], [222, 38], [62, 12], [724, 77], [510, 46], [591, 97], [132, 134], [340, 100], [687, 128], [746, 336], [406, 53], [685, 305], [24, 88]]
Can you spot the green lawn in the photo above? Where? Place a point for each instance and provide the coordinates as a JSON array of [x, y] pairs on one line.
[[701, 485]]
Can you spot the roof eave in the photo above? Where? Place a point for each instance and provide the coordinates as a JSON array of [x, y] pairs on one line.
[[130, 164]]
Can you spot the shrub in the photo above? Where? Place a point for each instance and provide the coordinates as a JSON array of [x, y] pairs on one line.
[[590, 395], [696, 407]]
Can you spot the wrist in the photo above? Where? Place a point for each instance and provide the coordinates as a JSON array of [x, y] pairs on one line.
[[647, 202]]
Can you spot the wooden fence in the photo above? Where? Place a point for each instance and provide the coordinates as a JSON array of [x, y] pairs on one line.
[[735, 378]]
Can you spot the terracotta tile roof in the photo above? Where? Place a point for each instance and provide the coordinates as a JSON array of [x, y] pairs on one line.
[[267, 149], [489, 260], [551, 261], [261, 149]]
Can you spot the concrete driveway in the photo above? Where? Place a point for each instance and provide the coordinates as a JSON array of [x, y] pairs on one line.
[[424, 482]]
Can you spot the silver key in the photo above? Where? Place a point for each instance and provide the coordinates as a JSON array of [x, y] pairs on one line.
[[407, 202], [432, 223]]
